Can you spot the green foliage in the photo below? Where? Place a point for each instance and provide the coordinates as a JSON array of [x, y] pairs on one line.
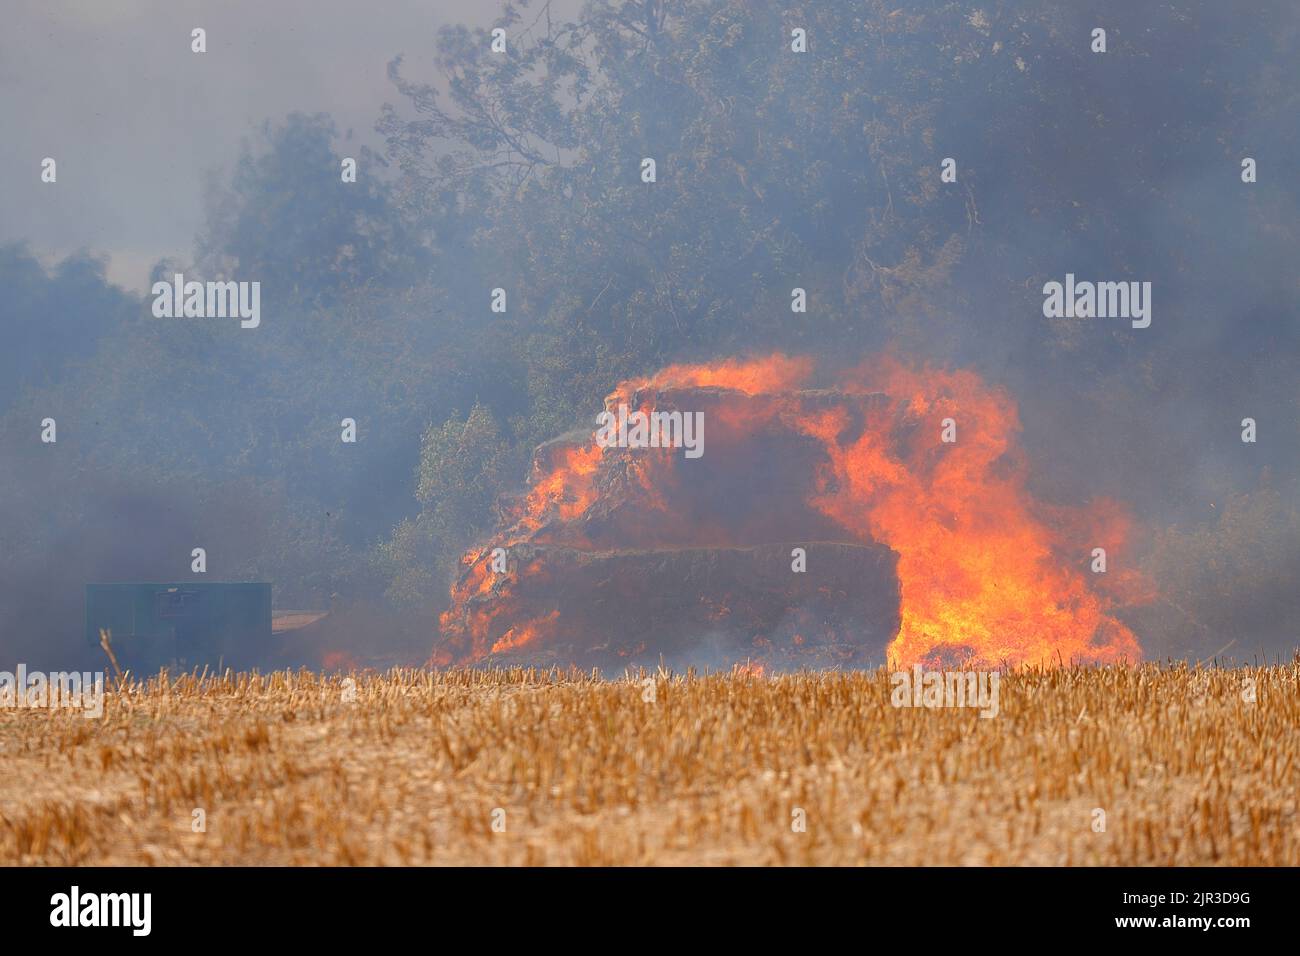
[[460, 467], [287, 219], [53, 318], [463, 467]]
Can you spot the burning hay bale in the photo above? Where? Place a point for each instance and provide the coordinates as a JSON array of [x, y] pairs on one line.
[[702, 606], [624, 547]]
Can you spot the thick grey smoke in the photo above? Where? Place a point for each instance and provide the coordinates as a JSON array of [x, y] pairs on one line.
[[775, 169]]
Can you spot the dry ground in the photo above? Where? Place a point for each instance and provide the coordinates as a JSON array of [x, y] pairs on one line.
[[288, 771]]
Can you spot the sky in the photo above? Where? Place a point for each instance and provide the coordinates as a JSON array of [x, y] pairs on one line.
[[136, 121]]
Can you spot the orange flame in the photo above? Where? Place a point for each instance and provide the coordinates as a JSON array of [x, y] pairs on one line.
[[987, 574], [980, 564], [339, 661], [776, 373]]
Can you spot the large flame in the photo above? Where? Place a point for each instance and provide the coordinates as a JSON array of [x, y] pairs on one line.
[[988, 575]]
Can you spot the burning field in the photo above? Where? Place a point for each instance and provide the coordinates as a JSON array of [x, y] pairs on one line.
[[1141, 765], [882, 516]]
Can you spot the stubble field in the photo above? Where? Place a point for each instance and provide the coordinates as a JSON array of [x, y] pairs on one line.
[[1081, 766]]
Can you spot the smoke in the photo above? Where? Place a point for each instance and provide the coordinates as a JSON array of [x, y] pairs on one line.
[[776, 170]]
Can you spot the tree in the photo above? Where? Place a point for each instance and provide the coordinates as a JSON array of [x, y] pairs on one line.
[[463, 467], [287, 218]]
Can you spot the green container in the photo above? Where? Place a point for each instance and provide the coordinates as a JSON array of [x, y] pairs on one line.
[[181, 626]]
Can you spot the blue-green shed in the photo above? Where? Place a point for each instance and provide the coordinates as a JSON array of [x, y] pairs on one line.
[[181, 626]]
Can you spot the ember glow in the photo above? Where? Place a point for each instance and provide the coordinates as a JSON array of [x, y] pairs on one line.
[[986, 574]]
